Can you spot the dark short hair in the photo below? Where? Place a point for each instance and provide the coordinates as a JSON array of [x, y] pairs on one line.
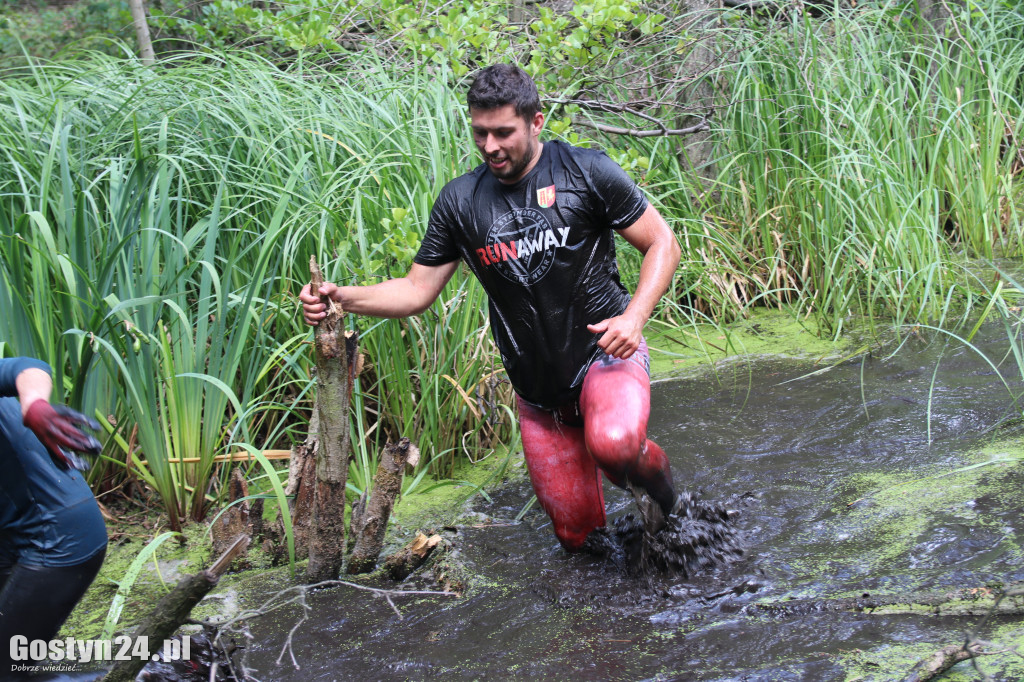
[[501, 84]]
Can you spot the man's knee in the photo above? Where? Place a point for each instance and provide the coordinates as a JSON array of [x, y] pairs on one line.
[[612, 444], [616, 451]]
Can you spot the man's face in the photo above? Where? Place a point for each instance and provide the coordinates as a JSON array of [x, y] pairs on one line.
[[508, 144]]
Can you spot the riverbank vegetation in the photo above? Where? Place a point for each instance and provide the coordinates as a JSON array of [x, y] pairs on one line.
[[854, 167]]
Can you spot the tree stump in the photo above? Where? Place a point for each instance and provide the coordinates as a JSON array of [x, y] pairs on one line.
[[299, 489], [327, 522], [401, 564], [370, 522], [235, 520]]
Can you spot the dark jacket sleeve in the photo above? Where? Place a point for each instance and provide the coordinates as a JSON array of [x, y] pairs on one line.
[[10, 368]]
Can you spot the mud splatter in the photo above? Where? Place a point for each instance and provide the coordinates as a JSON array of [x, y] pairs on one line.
[[697, 535]]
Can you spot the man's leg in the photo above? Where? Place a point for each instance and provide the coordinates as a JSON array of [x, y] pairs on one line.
[[616, 403], [35, 600], [564, 476]]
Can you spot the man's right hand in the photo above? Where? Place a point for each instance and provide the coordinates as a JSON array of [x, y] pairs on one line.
[[398, 297], [313, 307], [59, 428]]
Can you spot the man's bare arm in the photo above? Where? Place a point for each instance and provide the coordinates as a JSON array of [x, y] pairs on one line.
[[651, 236], [400, 297], [33, 384]]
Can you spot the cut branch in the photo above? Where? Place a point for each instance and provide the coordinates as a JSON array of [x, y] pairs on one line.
[[173, 610]]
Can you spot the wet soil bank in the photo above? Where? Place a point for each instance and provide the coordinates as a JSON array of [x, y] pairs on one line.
[[883, 475]]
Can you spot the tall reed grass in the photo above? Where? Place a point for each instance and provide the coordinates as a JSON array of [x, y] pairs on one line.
[[862, 160], [157, 225]]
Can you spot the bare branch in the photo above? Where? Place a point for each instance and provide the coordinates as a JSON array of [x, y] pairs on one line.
[[633, 132], [614, 107], [942, 660], [751, 4], [393, 607]]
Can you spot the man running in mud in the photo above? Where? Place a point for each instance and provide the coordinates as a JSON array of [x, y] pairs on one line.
[[535, 224]]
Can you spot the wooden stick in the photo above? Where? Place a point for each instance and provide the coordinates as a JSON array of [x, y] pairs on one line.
[[941, 661], [173, 610], [233, 457]]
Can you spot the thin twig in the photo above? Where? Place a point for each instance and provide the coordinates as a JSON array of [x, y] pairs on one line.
[[393, 607], [296, 595]]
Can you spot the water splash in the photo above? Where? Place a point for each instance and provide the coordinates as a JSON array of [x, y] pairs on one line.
[[697, 535]]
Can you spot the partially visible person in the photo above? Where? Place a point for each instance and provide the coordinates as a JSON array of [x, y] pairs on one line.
[[52, 535]]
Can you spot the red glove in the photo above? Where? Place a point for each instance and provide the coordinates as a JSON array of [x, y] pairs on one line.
[[59, 429]]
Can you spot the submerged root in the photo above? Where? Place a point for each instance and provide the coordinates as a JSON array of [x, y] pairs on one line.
[[697, 535]]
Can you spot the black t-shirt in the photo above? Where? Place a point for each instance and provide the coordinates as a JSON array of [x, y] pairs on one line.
[[544, 251]]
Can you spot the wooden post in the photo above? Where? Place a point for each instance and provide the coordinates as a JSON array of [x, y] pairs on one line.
[[327, 524], [371, 523]]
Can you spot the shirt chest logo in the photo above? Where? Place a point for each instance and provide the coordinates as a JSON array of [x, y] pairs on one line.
[[521, 245], [546, 196]]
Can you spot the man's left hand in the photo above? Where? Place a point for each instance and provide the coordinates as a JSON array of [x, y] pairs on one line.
[[620, 336]]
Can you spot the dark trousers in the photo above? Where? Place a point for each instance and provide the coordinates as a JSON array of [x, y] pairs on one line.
[[36, 600]]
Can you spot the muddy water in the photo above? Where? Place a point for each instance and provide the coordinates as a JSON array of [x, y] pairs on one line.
[[789, 452]]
